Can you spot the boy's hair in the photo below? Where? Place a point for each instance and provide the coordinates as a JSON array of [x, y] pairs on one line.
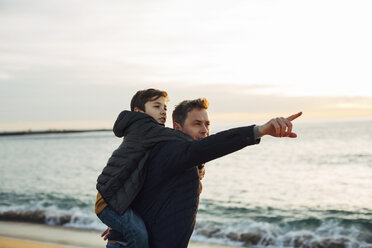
[[180, 111], [143, 96]]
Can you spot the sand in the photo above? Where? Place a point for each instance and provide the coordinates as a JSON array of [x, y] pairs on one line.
[[18, 234], [15, 243]]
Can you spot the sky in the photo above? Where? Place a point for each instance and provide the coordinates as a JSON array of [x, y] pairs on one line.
[[77, 63]]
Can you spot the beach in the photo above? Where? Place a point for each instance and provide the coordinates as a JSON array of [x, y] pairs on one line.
[[20, 234]]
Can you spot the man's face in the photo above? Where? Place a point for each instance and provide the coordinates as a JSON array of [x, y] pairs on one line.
[[157, 109], [196, 124]]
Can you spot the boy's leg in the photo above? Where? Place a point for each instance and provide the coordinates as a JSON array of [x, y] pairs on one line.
[[129, 224], [116, 239], [116, 245]]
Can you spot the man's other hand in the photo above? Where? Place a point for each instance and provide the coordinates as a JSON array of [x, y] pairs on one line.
[[106, 233]]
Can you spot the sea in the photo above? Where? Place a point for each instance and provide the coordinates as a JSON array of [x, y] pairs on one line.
[[312, 191]]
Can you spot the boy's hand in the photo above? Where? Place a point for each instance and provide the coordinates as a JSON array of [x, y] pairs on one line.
[[279, 127], [106, 233], [201, 172]]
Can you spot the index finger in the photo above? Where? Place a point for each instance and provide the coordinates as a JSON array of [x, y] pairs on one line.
[[295, 116]]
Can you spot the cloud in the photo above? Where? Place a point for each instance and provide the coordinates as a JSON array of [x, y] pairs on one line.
[[83, 60], [240, 42]]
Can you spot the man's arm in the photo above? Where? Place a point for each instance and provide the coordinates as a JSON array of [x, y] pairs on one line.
[[183, 155]]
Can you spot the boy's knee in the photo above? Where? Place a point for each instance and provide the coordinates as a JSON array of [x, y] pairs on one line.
[[142, 238]]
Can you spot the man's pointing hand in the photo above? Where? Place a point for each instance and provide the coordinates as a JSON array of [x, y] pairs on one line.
[[279, 127]]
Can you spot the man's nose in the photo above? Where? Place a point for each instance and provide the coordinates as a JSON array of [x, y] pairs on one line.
[[204, 129]]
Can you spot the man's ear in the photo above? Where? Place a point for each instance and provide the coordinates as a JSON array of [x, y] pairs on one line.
[[136, 109], [177, 126]]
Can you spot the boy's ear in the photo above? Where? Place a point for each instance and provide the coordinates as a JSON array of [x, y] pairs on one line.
[[136, 109], [177, 126]]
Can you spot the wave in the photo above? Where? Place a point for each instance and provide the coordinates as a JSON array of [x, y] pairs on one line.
[[329, 234], [51, 215], [306, 233]]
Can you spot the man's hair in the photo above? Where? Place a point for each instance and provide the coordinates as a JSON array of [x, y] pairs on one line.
[[181, 110], [143, 96]]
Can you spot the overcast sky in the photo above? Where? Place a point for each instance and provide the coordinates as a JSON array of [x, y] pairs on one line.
[[74, 63]]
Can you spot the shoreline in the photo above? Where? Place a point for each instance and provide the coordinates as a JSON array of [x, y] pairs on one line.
[[51, 131], [22, 234]]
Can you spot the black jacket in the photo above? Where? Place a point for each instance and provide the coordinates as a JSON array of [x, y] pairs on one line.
[[168, 200], [124, 174]]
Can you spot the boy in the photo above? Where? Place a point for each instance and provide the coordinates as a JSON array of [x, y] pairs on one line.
[[124, 174]]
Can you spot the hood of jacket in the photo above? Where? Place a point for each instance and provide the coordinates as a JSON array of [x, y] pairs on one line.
[[123, 124]]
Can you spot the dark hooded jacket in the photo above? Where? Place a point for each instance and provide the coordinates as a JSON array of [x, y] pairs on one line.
[[124, 174], [168, 201]]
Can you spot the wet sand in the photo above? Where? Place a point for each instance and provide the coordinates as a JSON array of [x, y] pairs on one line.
[[19, 234]]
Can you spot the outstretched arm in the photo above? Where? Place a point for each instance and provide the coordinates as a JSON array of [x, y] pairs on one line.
[[181, 155], [279, 127]]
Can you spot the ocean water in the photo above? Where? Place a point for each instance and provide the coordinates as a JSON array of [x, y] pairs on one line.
[[313, 191]]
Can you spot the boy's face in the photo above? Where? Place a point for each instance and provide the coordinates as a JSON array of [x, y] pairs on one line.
[[157, 109], [196, 124]]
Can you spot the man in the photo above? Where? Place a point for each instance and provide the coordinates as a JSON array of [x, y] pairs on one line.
[[168, 200]]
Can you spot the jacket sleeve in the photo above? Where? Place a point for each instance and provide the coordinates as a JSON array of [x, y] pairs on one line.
[[182, 155]]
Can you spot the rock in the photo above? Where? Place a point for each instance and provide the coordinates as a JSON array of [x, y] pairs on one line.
[[331, 243], [250, 238], [210, 233], [232, 236], [34, 216]]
